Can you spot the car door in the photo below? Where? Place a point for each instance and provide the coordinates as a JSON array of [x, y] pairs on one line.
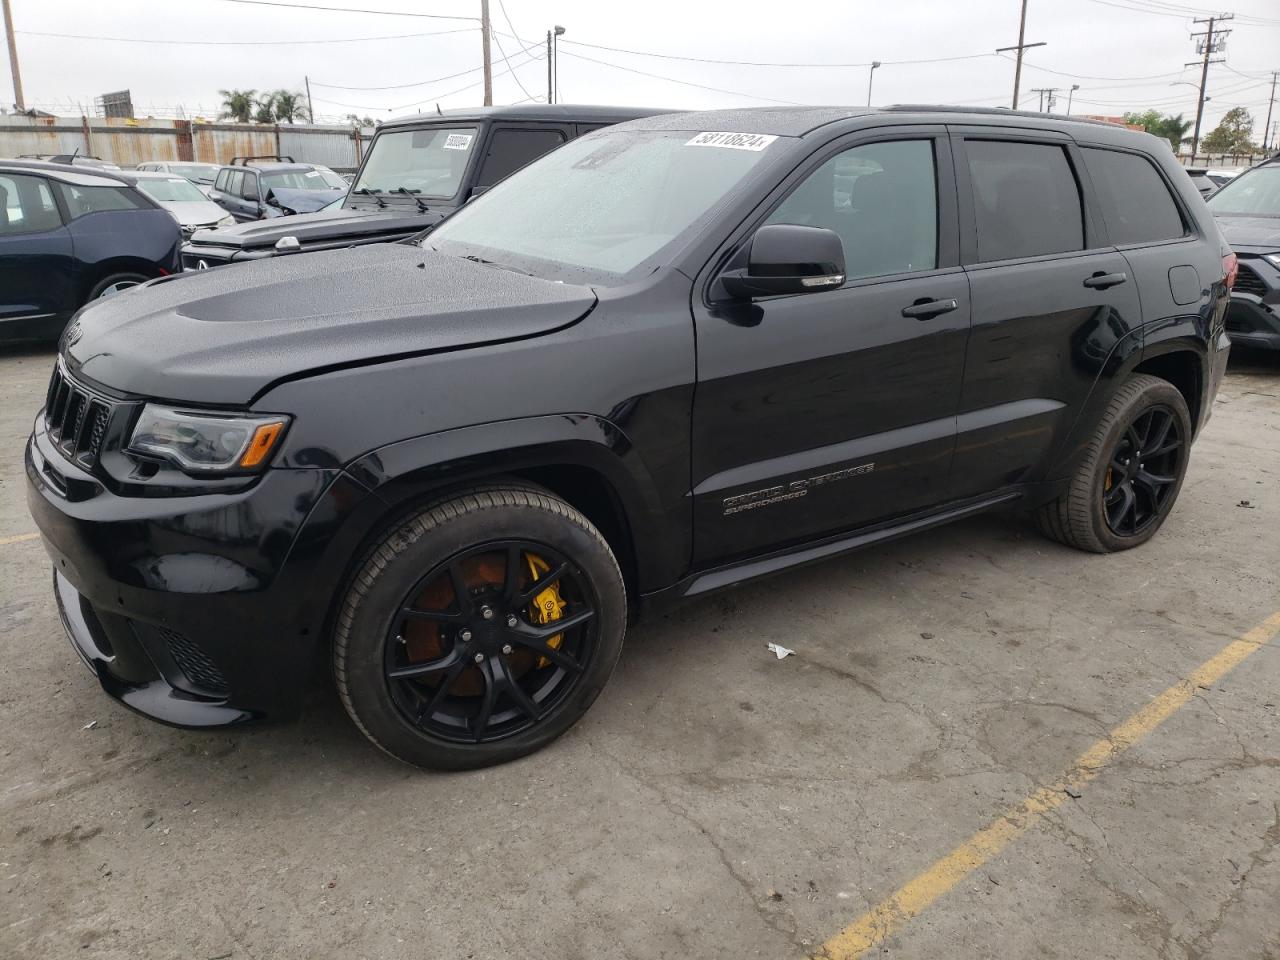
[[821, 412], [1050, 303], [232, 199], [37, 258], [511, 147]]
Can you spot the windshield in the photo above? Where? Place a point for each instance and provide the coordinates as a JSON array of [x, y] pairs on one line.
[[425, 162], [200, 172], [604, 203], [297, 180], [1254, 193], [175, 190]]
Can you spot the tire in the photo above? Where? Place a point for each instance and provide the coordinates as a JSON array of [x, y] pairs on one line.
[[438, 720], [1083, 516], [108, 287]]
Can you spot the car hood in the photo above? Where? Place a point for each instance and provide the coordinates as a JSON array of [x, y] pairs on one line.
[[324, 226], [1251, 234], [223, 336], [190, 213]]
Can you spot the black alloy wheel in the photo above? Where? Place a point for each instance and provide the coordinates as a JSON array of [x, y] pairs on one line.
[[483, 647], [1144, 469]]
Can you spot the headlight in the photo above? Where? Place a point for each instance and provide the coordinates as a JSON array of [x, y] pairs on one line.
[[227, 221], [203, 442]]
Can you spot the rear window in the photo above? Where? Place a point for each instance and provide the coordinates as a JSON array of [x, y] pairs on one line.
[[1136, 203], [1025, 197], [1253, 193]]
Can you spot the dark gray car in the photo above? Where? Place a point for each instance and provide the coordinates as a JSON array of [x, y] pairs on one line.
[[1248, 213]]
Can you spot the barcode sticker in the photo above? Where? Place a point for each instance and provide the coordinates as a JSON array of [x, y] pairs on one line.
[[733, 141], [458, 141]]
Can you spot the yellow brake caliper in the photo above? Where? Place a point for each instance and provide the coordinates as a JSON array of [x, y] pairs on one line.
[[547, 606]]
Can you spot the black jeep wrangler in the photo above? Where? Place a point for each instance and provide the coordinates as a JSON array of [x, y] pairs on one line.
[[671, 356], [418, 170]]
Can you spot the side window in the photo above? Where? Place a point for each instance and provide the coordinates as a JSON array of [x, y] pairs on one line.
[[220, 181], [82, 200], [881, 198], [249, 189], [1025, 198], [235, 182], [27, 206], [1135, 201], [509, 150]]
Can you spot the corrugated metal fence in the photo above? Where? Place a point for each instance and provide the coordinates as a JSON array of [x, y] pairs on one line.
[[130, 142]]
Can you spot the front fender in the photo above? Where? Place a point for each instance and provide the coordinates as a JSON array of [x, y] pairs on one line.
[[411, 470]]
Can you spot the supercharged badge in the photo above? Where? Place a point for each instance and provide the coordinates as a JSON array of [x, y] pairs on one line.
[[790, 491]]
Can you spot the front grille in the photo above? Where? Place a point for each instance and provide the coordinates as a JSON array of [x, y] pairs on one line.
[[1247, 281], [76, 419], [193, 662], [201, 261]]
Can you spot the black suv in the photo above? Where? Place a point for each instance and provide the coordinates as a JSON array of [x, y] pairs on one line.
[[669, 357], [1248, 212], [263, 188], [418, 170], [69, 235]]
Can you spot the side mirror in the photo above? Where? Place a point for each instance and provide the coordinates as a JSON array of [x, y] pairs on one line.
[[788, 258]]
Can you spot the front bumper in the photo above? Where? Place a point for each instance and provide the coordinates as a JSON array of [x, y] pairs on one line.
[[1253, 318], [197, 611]]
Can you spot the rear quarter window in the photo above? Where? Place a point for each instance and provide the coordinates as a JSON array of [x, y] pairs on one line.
[[84, 200], [1135, 200]]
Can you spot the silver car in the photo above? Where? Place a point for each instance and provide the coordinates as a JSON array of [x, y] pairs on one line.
[[183, 199]]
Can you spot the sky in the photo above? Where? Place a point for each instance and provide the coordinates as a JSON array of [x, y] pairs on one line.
[[1124, 54]]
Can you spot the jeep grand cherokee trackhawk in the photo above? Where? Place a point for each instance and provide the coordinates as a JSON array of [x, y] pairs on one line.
[[669, 357]]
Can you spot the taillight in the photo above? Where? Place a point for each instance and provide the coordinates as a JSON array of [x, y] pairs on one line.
[[1230, 266]]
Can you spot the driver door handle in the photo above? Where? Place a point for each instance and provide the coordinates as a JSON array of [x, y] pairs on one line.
[[1101, 281], [924, 309]]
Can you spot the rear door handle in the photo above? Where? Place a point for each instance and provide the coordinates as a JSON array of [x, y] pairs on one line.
[[924, 309], [1100, 281]]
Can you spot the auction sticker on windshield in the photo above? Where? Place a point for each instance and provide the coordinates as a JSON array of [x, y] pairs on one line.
[[458, 141], [733, 141]]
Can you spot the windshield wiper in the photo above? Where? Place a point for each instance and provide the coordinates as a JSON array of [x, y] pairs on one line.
[[366, 192], [493, 263], [412, 194]]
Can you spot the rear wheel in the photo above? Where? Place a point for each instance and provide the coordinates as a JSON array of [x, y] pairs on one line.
[[480, 629], [1126, 486]]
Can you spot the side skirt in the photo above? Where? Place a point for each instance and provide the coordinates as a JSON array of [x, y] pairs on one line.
[[730, 575]]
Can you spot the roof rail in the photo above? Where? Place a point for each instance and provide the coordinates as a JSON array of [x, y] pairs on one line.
[[244, 161]]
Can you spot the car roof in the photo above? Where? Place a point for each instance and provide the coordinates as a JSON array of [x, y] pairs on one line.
[[801, 120], [153, 175], [65, 172], [269, 166], [550, 113]]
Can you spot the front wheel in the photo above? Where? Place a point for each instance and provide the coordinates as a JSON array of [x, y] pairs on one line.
[[1126, 486], [479, 629], [117, 283]]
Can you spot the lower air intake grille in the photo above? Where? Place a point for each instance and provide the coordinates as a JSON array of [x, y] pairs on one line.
[[1249, 282], [191, 660]]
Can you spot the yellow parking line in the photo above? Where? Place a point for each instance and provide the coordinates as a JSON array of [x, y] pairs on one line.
[[20, 538], [908, 901]]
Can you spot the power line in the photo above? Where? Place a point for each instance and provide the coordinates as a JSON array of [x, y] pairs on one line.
[[503, 7], [376, 13], [419, 83], [686, 83], [245, 43], [762, 63]]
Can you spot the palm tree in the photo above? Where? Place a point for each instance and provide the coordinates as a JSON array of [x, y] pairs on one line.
[[289, 106], [237, 104], [1173, 129], [266, 109]]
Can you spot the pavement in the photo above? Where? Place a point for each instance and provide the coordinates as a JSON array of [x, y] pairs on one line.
[[985, 745]]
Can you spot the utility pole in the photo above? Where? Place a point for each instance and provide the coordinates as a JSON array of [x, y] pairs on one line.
[[1213, 42], [1042, 91], [311, 110], [871, 79], [485, 28], [1022, 45], [1070, 94], [1266, 127], [13, 56], [550, 98]]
